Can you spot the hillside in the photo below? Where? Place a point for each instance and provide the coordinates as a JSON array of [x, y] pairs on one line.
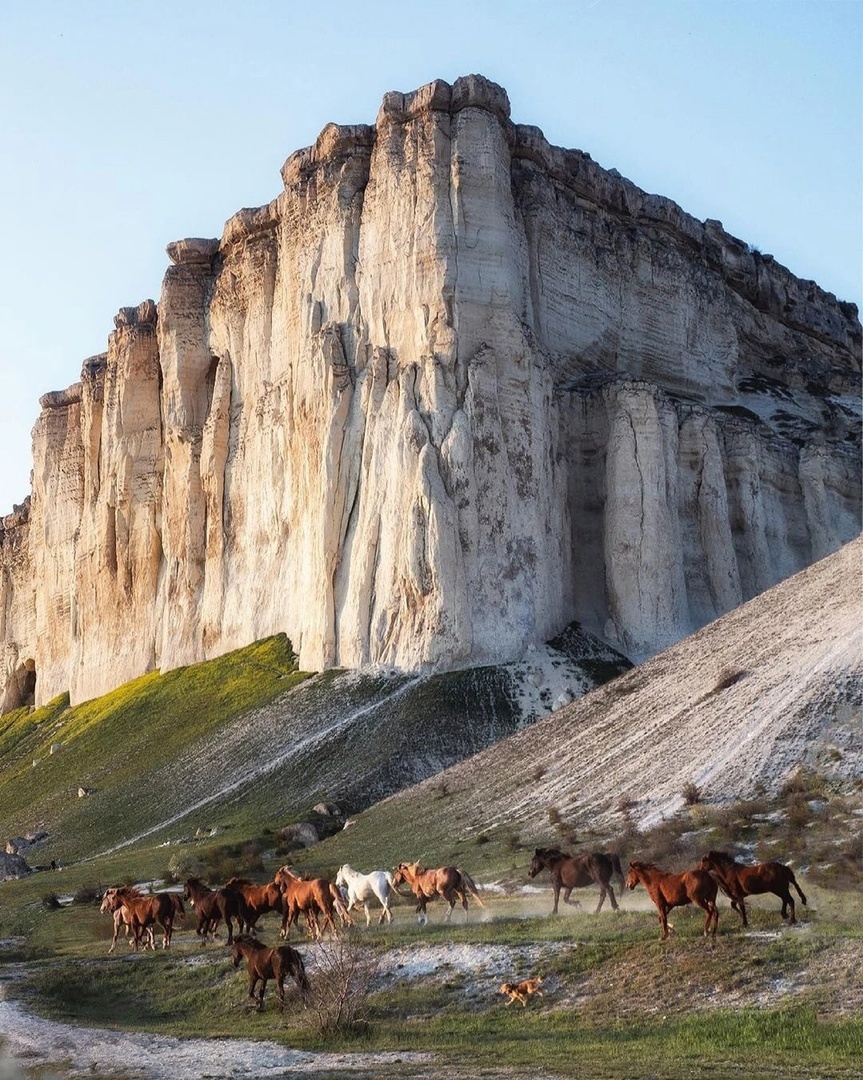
[[735, 709], [247, 741]]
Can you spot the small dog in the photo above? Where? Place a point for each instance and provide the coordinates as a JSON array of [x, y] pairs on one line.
[[521, 991]]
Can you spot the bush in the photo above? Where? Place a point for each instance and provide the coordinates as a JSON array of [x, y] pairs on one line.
[[87, 894], [51, 901], [691, 793], [340, 987]]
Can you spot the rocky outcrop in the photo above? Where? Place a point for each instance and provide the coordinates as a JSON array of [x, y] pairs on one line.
[[451, 390]]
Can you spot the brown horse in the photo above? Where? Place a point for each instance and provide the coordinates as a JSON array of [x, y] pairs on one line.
[[123, 921], [568, 873], [264, 963], [448, 882], [669, 891], [259, 900], [312, 898], [145, 911], [213, 906], [737, 881]]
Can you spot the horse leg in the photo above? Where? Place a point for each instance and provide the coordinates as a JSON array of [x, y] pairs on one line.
[[602, 892], [787, 902], [614, 904], [556, 897], [368, 915], [663, 920], [280, 988]]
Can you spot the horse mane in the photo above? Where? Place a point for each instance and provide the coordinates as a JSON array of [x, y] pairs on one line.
[[554, 851], [132, 892], [233, 882], [721, 856]]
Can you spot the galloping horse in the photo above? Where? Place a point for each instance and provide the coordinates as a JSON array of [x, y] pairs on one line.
[[265, 963], [737, 881], [568, 873], [363, 887], [669, 891], [259, 900], [213, 906], [144, 911], [448, 882], [315, 897], [123, 919]]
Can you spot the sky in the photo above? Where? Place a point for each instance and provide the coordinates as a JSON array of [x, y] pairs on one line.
[[126, 126]]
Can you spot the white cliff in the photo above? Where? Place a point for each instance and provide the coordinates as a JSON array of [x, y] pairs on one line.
[[451, 390]]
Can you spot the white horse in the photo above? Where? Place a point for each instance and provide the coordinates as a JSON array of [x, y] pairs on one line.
[[363, 887]]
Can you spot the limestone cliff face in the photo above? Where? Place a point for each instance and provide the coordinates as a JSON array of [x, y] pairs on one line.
[[451, 390]]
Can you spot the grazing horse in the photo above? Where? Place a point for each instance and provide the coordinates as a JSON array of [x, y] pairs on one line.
[[144, 911], [259, 900], [264, 963], [669, 891], [123, 919], [363, 887], [737, 881], [448, 882], [212, 906], [568, 873], [311, 898]]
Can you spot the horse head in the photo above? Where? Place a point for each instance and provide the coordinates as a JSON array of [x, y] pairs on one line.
[[634, 876], [109, 901]]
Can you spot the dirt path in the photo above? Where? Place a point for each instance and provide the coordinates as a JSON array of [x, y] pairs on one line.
[[31, 1040]]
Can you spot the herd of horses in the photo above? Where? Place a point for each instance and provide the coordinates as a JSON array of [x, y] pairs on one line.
[[717, 872], [326, 905]]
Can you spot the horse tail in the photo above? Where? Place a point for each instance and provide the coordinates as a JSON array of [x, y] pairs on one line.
[[298, 970], [617, 869], [471, 886], [390, 880], [793, 881]]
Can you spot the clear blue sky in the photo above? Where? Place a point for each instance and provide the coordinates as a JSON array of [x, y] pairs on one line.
[[125, 126]]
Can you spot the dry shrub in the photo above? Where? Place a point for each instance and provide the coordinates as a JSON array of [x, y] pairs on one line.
[[691, 793], [728, 677], [340, 987]]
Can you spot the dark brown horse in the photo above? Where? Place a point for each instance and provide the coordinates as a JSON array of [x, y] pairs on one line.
[[737, 881], [448, 882], [212, 906], [575, 872], [259, 900], [318, 896], [264, 963], [145, 911], [669, 891]]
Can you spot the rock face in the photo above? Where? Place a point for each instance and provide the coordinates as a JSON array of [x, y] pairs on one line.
[[451, 390]]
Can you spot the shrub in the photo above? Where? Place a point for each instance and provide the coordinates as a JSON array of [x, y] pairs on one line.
[[728, 677], [691, 793], [51, 901], [87, 894], [340, 987]]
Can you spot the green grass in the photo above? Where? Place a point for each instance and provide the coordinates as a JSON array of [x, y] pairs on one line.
[[618, 1001], [114, 742]]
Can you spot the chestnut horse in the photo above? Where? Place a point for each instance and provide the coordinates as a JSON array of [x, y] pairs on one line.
[[264, 963], [737, 880], [448, 882], [123, 920], [259, 900], [144, 911], [211, 906], [575, 872], [317, 896], [669, 891]]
